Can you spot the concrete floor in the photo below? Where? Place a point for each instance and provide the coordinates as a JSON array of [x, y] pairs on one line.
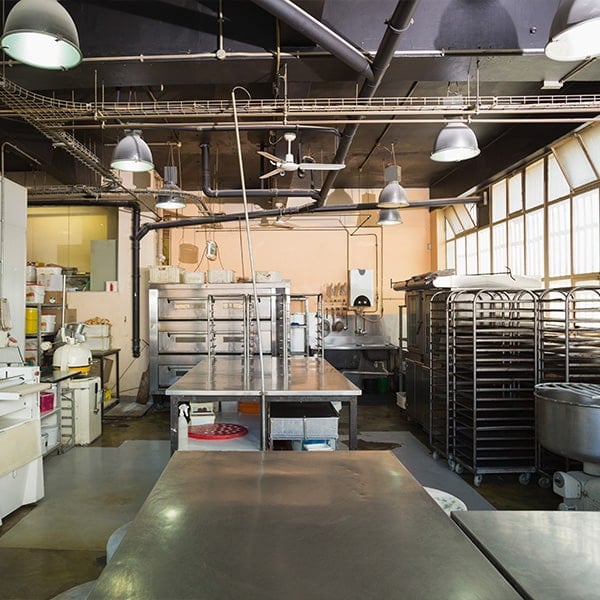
[[58, 546]]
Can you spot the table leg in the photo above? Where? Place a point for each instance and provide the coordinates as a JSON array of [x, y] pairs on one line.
[[353, 408], [174, 424], [118, 371]]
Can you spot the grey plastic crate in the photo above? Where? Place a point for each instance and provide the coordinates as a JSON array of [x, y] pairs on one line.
[[303, 420]]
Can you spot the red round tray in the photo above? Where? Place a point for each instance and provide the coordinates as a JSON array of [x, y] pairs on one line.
[[217, 431]]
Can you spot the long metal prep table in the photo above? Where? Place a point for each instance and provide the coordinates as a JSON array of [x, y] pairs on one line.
[[295, 525], [298, 379], [551, 555]]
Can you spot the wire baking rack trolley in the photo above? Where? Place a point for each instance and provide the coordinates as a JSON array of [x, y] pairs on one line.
[[491, 376]]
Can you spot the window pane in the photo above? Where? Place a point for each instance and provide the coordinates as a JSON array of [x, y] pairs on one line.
[[450, 258], [516, 248], [591, 141], [559, 239], [472, 254], [586, 233], [534, 232], [575, 163], [483, 236], [461, 256], [558, 187], [499, 201], [499, 248], [515, 194], [534, 184]]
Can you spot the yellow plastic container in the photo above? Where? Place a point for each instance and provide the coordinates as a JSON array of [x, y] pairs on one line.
[[31, 320]]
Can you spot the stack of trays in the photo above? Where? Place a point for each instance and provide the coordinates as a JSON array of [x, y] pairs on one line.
[[97, 337]]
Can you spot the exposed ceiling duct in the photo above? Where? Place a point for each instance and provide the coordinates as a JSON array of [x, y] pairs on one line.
[[397, 24]]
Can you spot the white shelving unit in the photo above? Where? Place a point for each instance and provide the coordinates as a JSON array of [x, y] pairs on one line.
[[21, 468]]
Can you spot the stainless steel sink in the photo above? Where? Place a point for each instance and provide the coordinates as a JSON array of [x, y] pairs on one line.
[[568, 421]]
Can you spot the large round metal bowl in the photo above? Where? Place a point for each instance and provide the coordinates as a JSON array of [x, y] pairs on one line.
[[568, 420]]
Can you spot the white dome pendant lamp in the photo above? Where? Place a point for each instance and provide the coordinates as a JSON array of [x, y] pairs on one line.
[[575, 31], [41, 33]]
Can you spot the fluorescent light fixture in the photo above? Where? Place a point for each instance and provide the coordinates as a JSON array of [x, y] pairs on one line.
[[132, 153], [455, 142], [575, 31], [389, 216], [41, 33]]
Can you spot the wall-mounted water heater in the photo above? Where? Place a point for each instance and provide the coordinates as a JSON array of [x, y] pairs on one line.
[[361, 288]]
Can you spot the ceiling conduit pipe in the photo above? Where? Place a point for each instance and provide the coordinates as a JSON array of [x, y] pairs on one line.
[[253, 193], [135, 254], [396, 25], [314, 30]]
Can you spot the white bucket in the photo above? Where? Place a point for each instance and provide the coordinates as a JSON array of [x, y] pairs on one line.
[[48, 323], [51, 277], [34, 294]]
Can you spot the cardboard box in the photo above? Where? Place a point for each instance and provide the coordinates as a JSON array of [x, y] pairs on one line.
[[55, 298], [70, 314]]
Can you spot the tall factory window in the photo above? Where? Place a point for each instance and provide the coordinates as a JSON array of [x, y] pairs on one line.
[[558, 186], [485, 259], [575, 163], [461, 256], [471, 251], [516, 246], [534, 184], [559, 239], [586, 232], [534, 249], [499, 257], [515, 193], [499, 201]]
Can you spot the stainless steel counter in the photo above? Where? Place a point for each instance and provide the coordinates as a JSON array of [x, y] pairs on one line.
[[547, 555], [299, 379], [295, 525]]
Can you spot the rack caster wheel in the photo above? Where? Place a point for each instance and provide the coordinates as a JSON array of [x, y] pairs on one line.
[[459, 469], [544, 482], [477, 480], [525, 478], [435, 455]]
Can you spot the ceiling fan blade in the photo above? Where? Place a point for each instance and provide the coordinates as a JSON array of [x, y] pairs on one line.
[[320, 166], [272, 173], [270, 156]]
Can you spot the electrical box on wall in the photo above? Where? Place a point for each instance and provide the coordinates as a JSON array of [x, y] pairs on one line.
[[361, 287]]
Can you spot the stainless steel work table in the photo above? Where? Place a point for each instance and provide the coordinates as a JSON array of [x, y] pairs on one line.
[[299, 379], [291, 525], [546, 555]]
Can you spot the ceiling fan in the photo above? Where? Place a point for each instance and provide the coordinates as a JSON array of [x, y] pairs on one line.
[[287, 164]]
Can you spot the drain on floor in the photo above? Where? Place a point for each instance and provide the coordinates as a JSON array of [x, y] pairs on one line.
[[364, 445]]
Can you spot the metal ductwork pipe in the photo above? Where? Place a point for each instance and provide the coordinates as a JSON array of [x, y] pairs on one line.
[[396, 25], [314, 30], [253, 193]]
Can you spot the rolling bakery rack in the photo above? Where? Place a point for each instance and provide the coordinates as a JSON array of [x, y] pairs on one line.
[[483, 358]]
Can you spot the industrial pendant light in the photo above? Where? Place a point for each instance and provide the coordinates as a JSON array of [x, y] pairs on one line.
[[41, 33], [393, 195], [575, 31], [389, 216], [455, 142], [132, 153], [170, 197]]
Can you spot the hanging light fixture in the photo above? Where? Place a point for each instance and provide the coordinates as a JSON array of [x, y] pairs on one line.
[[393, 195], [170, 196], [389, 216], [455, 142], [41, 33], [132, 153], [575, 31]]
